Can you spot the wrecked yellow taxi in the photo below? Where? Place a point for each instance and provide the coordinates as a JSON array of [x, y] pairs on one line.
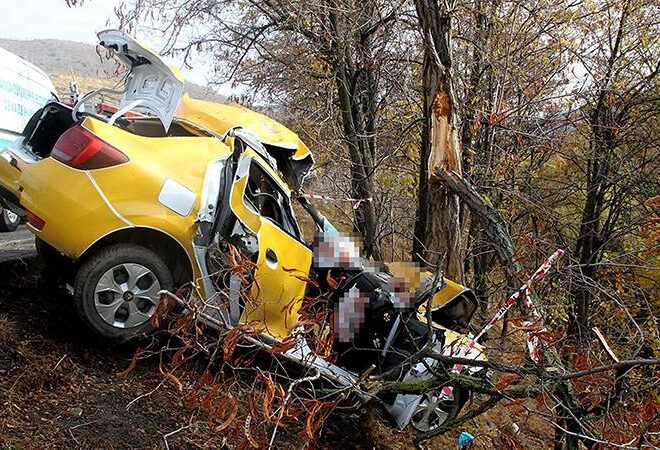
[[132, 203]]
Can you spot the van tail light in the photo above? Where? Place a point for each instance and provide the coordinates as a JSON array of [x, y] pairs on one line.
[[80, 149], [35, 221]]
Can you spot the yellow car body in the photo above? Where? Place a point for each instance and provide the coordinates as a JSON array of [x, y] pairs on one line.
[[84, 210], [80, 207], [135, 203], [79, 212]]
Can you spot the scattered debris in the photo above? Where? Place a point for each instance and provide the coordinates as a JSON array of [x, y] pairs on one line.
[[465, 441]]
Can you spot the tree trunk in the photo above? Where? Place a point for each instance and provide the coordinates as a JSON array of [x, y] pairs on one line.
[[421, 221], [444, 232], [357, 91], [600, 161], [439, 211]]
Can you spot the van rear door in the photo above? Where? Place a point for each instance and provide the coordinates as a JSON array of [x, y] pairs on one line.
[[24, 89]]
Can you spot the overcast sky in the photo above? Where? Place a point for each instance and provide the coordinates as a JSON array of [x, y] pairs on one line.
[[53, 19]]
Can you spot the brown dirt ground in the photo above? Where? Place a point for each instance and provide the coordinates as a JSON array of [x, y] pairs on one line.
[[59, 389], [58, 385]]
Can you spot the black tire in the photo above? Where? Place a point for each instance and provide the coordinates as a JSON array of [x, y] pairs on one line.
[[100, 263], [8, 220]]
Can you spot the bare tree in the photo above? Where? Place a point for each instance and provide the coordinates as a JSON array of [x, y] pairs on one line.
[[340, 57]]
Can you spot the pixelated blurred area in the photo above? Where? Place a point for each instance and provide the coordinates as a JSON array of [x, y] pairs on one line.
[[337, 251], [366, 298], [407, 278], [350, 316], [408, 273]]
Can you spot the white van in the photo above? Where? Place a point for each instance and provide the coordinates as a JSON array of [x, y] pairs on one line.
[[24, 88]]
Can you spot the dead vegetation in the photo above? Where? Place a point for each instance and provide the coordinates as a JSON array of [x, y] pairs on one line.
[[61, 388]]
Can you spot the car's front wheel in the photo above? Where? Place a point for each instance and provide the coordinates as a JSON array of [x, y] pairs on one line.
[[116, 290], [437, 408], [8, 220]]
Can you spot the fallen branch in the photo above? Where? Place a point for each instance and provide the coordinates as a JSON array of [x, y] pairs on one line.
[[495, 227], [525, 388], [616, 366]]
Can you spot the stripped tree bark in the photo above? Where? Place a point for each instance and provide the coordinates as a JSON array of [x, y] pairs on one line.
[[438, 226]]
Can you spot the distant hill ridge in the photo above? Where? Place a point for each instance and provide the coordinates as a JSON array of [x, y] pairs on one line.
[[59, 57]]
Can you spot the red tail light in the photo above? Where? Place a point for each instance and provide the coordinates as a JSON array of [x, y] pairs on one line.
[[80, 149], [36, 221]]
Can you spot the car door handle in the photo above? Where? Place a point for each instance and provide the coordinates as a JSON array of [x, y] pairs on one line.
[[13, 162], [271, 258]]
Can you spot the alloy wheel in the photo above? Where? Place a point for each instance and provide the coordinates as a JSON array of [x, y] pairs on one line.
[[432, 411], [126, 296]]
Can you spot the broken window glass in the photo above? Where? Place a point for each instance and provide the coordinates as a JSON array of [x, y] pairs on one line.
[[269, 200]]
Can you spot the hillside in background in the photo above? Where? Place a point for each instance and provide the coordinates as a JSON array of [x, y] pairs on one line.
[[59, 58]]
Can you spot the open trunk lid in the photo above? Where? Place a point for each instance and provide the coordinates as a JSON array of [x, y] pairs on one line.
[[152, 84]]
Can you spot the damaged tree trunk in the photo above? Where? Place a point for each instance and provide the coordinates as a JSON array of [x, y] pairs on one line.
[[438, 226]]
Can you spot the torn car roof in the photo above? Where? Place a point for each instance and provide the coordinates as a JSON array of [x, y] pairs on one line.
[[219, 118]]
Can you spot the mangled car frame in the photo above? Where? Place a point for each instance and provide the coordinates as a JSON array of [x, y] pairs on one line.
[[133, 204]]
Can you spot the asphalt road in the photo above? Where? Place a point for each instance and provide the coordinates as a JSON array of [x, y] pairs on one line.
[[17, 245]]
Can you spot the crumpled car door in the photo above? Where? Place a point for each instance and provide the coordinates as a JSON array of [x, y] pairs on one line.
[[283, 261]]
